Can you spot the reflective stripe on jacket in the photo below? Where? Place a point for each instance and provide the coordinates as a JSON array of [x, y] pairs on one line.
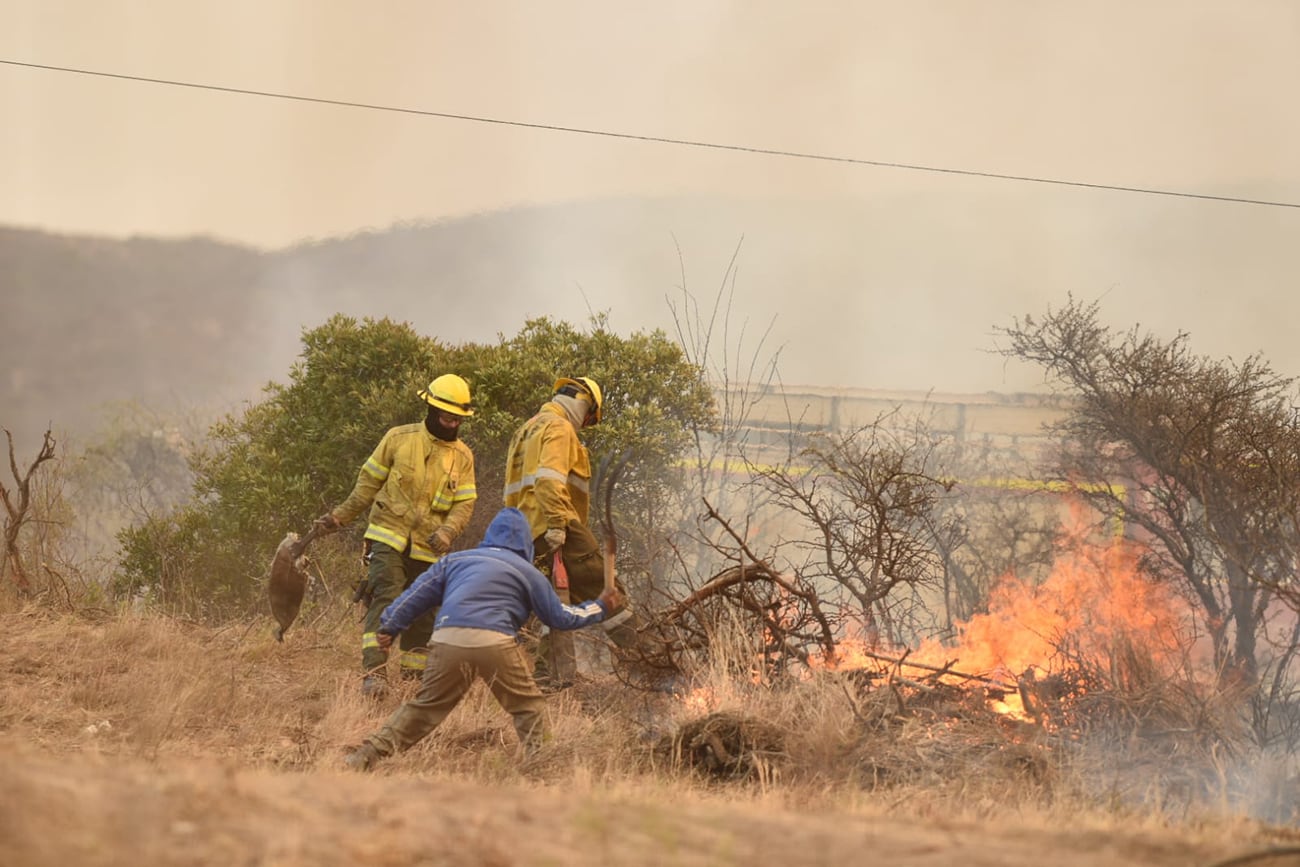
[[413, 483], [548, 471]]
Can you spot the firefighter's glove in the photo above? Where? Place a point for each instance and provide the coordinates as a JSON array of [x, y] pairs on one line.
[[384, 639], [328, 522], [614, 600], [440, 541], [554, 538]]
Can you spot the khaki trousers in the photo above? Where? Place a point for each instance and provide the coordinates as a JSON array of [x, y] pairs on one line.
[[450, 673]]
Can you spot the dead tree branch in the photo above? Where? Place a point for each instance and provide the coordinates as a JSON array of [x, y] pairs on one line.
[[939, 670], [807, 595], [17, 504]]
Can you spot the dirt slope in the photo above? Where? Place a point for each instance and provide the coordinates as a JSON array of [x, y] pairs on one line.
[[137, 740], [98, 811]]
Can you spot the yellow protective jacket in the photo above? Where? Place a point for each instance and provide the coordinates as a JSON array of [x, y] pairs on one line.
[[548, 471], [413, 483]]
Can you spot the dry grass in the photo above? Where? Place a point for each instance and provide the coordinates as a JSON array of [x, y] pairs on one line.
[[227, 712]]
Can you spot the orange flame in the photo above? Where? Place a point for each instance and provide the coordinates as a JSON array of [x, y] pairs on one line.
[[1094, 605], [700, 701]]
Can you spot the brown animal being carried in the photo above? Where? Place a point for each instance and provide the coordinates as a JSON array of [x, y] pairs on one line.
[[288, 581]]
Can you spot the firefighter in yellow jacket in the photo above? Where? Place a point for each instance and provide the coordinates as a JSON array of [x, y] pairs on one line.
[[548, 478], [419, 486]]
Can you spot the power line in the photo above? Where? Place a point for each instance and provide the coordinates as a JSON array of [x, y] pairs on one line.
[[1151, 191]]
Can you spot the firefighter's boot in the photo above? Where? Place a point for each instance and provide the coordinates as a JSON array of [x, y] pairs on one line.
[[374, 686], [363, 758]]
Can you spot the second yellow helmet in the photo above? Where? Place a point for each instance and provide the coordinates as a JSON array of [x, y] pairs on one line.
[[587, 386]]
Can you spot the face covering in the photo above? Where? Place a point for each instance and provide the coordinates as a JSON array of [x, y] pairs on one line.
[[436, 428], [574, 407]]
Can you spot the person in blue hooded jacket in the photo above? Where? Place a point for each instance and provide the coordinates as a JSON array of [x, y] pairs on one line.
[[484, 595]]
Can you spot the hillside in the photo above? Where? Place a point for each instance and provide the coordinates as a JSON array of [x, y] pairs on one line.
[[196, 324], [896, 293], [134, 739], [91, 320]]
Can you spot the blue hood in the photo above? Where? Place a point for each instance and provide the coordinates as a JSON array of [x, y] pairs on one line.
[[509, 529]]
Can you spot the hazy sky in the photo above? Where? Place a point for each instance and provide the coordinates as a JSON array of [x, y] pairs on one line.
[[1170, 94]]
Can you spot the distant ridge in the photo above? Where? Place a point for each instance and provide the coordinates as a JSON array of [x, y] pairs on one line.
[[899, 293]]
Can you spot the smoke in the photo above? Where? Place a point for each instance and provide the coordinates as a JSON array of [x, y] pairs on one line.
[[903, 292]]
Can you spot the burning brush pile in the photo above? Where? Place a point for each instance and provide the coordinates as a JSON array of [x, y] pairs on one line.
[[1089, 684]]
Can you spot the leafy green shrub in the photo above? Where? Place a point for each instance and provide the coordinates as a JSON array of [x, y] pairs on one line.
[[288, 458]]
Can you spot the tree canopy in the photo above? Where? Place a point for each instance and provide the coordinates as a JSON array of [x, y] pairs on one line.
[[284, 460]]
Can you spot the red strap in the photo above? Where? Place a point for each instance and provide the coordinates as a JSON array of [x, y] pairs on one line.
[[560, 574]]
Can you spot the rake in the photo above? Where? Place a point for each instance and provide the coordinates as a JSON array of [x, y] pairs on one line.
[[610, 470]]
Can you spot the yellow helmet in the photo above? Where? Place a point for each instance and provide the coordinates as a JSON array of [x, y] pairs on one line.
[[583, 386], [449, 393]]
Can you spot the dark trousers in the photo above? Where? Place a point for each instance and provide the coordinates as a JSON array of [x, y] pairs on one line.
[[390, 572]]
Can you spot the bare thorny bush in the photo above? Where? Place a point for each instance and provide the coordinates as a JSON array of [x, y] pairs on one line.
[[1199, 457], [65, 508], [805, 534], [834, 525], [39, 562]]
